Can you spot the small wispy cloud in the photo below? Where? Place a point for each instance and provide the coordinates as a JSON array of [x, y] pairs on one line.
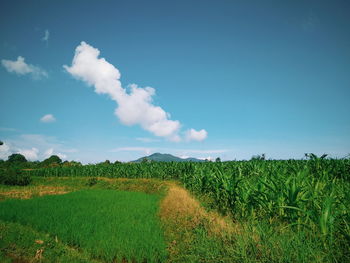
[[208, 151], [48, 118], [46, 37], [20, 67], [145, 139], [7, 129], [209, 158], [193, 135], [133, 149]]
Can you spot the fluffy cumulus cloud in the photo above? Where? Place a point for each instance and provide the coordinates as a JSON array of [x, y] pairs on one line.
[[7, 149], [135, 104], [194, 135], [20, 67], [48, 118], [4, 151]]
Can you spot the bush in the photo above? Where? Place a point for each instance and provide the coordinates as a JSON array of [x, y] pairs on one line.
[[14, 177], [92, 181], [52, 161]]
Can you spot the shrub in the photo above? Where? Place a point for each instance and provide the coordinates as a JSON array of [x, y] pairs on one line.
[[52, 161], [92, 181], [14, 177]]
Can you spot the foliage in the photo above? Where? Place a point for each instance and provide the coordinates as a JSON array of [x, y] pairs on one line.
[[14, 177], [16, 158], [53, 159], [71, 163], [313, 156], [92, 181]]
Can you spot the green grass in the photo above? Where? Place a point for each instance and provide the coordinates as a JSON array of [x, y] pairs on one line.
[[20, 243], [108, 225]]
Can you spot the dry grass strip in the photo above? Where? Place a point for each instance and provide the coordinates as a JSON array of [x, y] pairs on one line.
[[36, 191], [180, 208]]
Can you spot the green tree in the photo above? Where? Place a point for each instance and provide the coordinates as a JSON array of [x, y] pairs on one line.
[[53, 159], [1, 143], [218, 160], [17, 158]]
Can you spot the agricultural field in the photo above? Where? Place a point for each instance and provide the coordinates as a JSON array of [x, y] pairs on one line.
[[174, 131], [240, 211]]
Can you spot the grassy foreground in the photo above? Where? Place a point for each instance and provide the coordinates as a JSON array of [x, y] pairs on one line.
[[195, 231], [109, 225], [190, 233]]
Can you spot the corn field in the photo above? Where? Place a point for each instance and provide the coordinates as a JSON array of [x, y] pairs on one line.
[[305, 195]]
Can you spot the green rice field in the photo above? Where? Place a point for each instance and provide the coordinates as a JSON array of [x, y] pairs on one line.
[[108, 225]]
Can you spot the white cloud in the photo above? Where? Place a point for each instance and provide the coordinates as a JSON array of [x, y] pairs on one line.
[[135, 105], [4, 151], [30, 154], [133, 149], [193, 135], [50, 152], [43, 142], [209, 158], [203, 151], [46, 36], [62, 156], [48, 118], [20, 67], [35, 147], [145, 139]]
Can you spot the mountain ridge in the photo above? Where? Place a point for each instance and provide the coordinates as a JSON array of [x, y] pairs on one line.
[[166, 157]]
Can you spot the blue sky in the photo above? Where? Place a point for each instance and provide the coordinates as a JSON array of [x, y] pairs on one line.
[[228, 78]]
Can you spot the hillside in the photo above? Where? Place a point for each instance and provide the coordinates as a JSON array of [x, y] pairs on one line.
[[165, 157]]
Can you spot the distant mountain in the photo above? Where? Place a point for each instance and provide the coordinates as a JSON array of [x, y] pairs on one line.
[[165, 157]]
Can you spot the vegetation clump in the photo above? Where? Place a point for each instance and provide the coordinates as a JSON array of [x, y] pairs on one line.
[[92, 181], [53, 160], [14, 177]]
